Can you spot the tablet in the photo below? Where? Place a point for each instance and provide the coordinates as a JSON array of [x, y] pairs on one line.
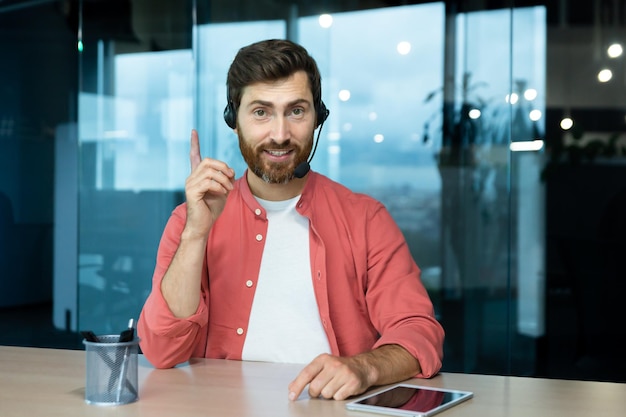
[[409, 400]]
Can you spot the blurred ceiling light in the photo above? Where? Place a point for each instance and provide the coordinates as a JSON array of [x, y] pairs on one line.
[[372, 116], [403, 48], [567, 123], [512, 98], [605, 75], [474, 114], [527, 145], [325, 21], [378, 138], [534, 115], [615, 50], [530, 94], [344, 95]]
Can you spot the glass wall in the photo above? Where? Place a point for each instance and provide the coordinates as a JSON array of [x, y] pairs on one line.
[[38, 73], [447, 112], [421, 119]]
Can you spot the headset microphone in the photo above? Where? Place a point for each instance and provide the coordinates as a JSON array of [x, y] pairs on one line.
[[303, 168]]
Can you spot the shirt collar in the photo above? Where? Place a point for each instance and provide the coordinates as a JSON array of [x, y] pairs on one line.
[[301, 206]]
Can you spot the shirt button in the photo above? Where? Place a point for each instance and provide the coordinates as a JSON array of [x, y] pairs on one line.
[[239, 331], [249, 283], [257, 212], [259, 237]]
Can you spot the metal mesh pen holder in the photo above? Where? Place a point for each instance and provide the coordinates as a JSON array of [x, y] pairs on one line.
[[111, 371]]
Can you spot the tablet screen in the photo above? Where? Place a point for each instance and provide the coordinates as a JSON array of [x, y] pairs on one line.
[[410, 400]]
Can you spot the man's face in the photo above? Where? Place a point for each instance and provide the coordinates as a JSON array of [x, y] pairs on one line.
[[275, 124]]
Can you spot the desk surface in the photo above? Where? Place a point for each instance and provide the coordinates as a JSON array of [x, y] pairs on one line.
[[51, 382]]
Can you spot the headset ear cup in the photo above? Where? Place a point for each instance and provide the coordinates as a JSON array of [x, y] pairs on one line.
[[230, 116], [322, 113]]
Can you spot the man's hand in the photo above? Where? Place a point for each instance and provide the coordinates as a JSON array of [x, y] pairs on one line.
[[206, 190], [332, 377], [335, 377]]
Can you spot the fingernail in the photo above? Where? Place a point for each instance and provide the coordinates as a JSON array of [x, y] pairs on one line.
[[292, 396]]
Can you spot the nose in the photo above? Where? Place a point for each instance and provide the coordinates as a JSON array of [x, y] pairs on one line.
[[281, 130]]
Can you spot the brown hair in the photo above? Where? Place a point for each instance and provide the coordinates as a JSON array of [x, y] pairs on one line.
[[271, 60]]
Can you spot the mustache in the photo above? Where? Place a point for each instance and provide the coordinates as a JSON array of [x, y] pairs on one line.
[[276, 146]]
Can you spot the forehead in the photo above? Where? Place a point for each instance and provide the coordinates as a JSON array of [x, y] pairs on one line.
[[295, 86]]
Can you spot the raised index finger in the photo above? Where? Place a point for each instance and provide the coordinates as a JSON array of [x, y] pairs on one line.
[[194, 154]]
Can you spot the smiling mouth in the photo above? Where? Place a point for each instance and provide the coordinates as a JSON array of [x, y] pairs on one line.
[[277, 153]]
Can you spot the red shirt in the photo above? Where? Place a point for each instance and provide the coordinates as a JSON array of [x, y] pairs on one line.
[[366, 283]]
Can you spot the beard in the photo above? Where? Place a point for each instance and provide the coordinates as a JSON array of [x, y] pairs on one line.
[[273, 172]]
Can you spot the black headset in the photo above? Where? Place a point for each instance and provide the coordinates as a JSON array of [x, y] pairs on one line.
[[230, 114]]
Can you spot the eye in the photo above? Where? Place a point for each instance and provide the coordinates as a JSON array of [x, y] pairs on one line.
[[259, 113], [298, 111]]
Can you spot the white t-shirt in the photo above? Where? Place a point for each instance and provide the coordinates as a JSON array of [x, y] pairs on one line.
[[285, 324]]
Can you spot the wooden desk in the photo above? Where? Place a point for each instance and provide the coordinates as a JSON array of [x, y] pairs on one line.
[[51, 382]]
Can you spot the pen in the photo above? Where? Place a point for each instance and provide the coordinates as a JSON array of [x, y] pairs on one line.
[[126, 336], [90, 336]]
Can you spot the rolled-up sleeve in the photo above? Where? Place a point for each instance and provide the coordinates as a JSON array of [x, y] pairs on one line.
[[399, 305], [165, 339]]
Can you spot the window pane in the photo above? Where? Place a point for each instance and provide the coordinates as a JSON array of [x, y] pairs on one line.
[[134, 144]]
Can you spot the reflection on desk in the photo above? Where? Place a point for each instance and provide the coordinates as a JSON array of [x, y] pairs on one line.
[[51, 382]]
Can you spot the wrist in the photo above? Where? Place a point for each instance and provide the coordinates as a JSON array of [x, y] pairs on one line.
[[192, 234], [369, 364]]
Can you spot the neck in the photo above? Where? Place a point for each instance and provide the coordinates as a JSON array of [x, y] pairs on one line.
[[275, 192]]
